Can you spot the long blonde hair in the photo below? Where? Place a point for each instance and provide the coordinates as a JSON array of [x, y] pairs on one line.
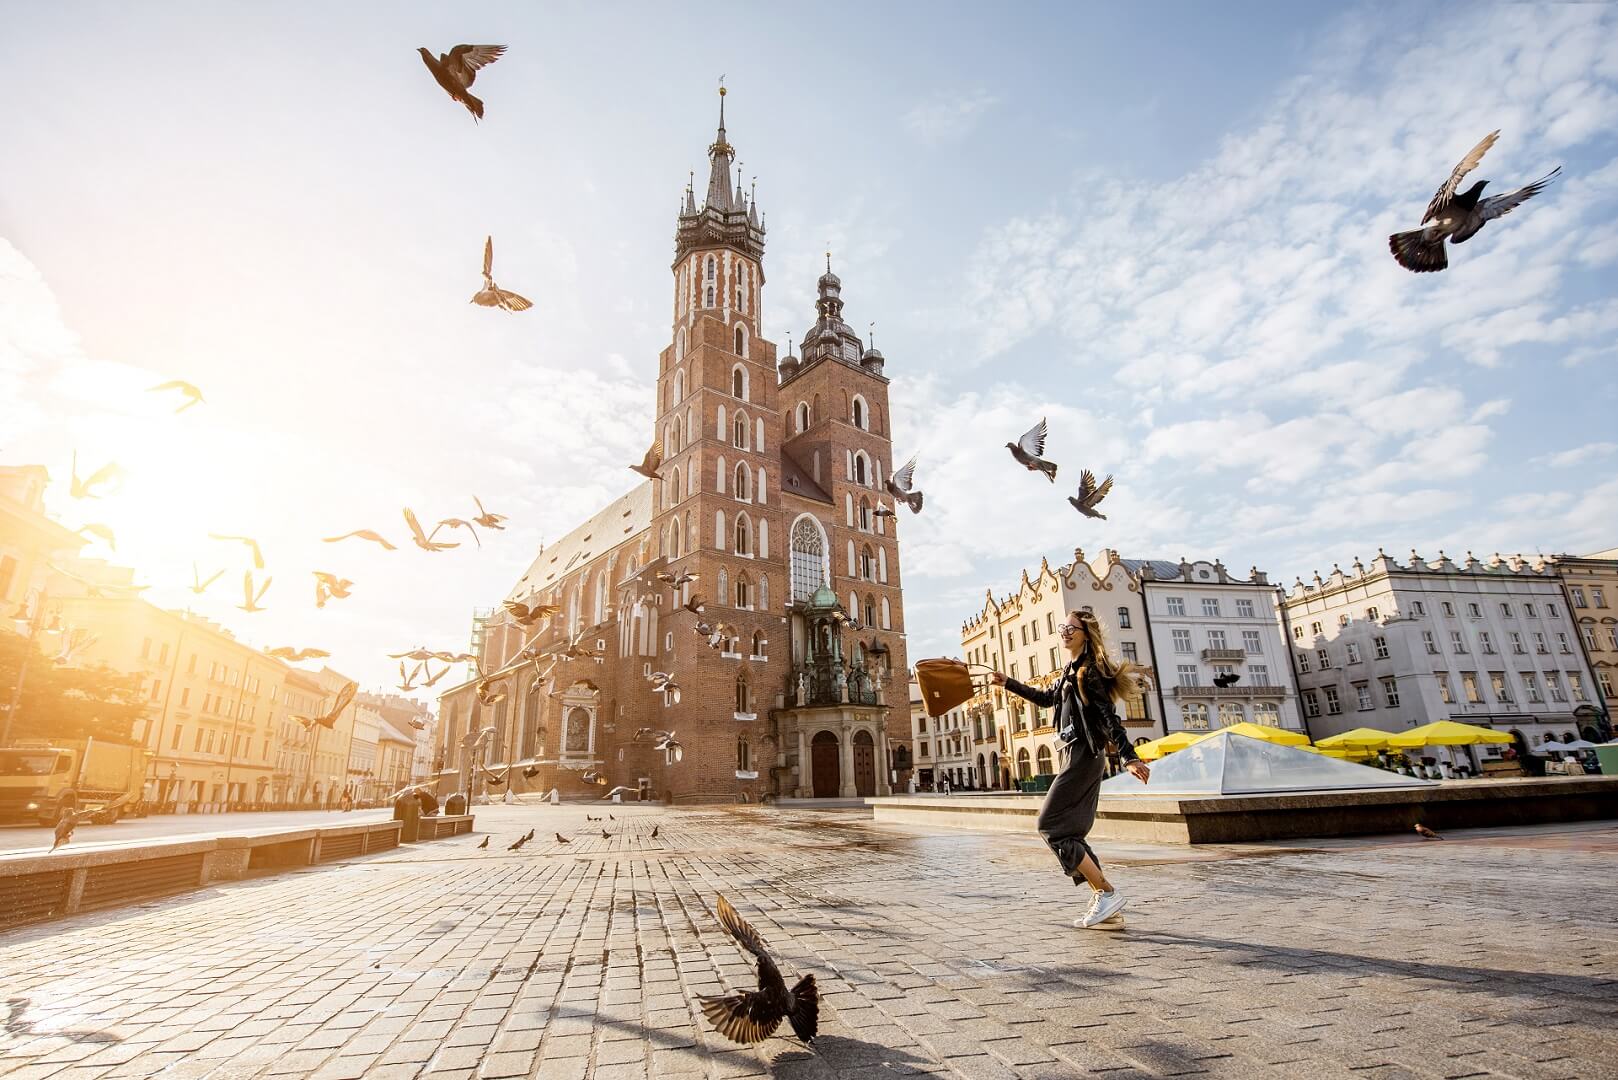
[[1119, 676]]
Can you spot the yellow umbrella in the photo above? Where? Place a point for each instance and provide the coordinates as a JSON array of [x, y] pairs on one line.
[[1176, 740], [1328, 751], [1360, 738], [1448, 733], [1269, 734]]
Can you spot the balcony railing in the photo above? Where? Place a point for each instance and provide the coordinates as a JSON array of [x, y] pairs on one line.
[[829, 685], [1237, 692], [1221, 655]]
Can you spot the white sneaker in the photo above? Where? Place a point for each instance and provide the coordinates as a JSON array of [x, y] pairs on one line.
[[1105, 906]]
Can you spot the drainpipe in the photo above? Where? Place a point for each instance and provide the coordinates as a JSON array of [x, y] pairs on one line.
[[1292, 660], [1151, 650]]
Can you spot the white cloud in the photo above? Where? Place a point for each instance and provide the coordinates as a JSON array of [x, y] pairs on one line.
[[948, 117], [1578, 455]]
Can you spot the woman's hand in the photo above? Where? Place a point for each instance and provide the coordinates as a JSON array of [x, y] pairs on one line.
[[1139, 770], [997, 679]]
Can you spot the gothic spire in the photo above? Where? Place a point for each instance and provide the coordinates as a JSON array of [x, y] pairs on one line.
[[720, 156]]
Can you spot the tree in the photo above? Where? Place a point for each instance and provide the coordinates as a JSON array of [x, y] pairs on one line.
[[61, 702]]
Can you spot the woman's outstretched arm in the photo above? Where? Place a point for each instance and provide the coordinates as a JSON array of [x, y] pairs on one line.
[[1045, 699]]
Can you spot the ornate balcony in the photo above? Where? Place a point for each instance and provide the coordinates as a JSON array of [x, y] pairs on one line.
[[1222, 655], [832, 684], [1237, 692]]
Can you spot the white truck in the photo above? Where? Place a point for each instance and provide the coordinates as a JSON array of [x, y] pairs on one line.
[[43, 780]]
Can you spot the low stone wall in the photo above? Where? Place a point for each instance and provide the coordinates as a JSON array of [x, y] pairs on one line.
[[1212, 819], [47, 885]]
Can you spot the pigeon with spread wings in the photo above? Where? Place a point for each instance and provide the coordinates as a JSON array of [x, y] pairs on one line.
[[293, 656], [329, 587], [455, 523], [1090, 494], [258, 555], [199, 586], [192, 395], [362, 534], [488, 519], [1457, 216], [458, 69], [1030, 451], [492, 295], [652, 462], [422, 540], [328, 719], [110, 473], [899, 486], [524, 614], [73, 819], [251, 598], [751, 1016]]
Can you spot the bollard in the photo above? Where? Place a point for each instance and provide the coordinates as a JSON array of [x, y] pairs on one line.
[[455, 805], [407, 810]]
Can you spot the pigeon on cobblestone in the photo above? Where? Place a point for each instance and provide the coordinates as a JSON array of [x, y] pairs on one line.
[[560, 839], [654, 831], [751, 1016], [1425, 833], [899, 486], [605, 835], [529, 837], [1457, 217], [520, 842], [1090, 494], [457, 69], [1030, 451], [484, 844]]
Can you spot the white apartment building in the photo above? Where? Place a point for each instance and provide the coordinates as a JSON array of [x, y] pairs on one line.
[[944, 745], [1204, 623], [1392, 647]]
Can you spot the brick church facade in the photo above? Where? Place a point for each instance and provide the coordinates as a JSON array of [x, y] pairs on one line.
[[773, 472]]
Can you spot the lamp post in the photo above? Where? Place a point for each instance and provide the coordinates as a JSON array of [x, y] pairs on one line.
[[36, 625]]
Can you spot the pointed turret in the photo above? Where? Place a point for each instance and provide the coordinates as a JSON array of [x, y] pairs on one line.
[[720, 155], [726, 217]]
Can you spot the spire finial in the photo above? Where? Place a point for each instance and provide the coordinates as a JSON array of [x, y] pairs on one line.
[[870, 332], [828, 256]]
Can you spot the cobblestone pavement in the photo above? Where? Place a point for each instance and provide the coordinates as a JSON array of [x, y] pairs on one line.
[[1492, 953]]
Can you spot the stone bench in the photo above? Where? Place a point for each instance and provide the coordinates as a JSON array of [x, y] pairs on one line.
[[35, 886]]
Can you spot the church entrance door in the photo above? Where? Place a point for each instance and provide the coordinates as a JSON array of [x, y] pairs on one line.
[[824, 766], [864, 764]]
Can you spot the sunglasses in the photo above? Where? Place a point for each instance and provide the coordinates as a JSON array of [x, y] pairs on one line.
[[1067, 630]]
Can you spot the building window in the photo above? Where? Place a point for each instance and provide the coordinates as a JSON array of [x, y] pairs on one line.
[[1603, 676], [1342, 620], [865, 514], [1176, 605], [744, 695], [1325, 659], [1210, 606], [1267, 714], [1333, 706], [1553, 685], [1497, 682], [1599, 596], [1449, 609], [738, 383], [1253, 642], [808, 559], [1372, 614], [1362, 694], [859, 412], [1530, 687], [1380, 644], [1473, 610], [1244, 608], [1516, 644], [1428, 642], [744, 757], [1231, 712], [1420, 608], [1589, 635], [1550, 611], [741, 338], [1561, 640], [1297, 633], [1303, 662], [867, 564], [1505, 609], [1182, 641], [1258, 674], [1314, 628], [1216, 639], [1457, 642], [1444, 693], [1129, 652], [860, 472], [1194, 716], [1123, 618], [1390, 693], [1187, 674], [1485, 643], [1576, 683], [1578, 596], [1469, 682], [1311, 704], [1353, 651]]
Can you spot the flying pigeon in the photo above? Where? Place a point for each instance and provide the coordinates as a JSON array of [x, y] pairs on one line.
[[1089, 495], [293, 656], [696, 605], [455, 523], [110, 473], [1458, 216], [529, 614], [530, 772], [492, 295], [619, 790], [663, 683], [457, 69], [675, 580], [252, 598], [362, 534], [199, 586], [422, 540], [652, 462], [72, 820], [1030, 450], [258, 555], [899, 487], [883, 510], [488, 519], [751, 1016], [1228, 678], [192, 394]]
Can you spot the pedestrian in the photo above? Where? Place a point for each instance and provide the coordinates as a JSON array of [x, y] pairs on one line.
[[943, 785], [1086, 721]]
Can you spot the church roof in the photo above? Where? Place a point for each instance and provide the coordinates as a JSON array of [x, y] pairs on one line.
[[1162, 569], [614, 523], [795, 480]]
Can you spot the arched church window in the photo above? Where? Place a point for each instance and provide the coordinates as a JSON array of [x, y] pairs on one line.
[[870, 611], [723, 592], [744, 537], [744, 591], [738, 431], [713, 267], [808, 558], [744, 483], [865, 514], [803, 416], [738, 383], [709, 297], [861, 473], [859, 412], [764, 594]]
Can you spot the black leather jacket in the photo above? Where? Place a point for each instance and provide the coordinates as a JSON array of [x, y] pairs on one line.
[[1095, 722]]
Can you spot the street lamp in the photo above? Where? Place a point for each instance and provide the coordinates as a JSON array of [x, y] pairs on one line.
[[33, 625]]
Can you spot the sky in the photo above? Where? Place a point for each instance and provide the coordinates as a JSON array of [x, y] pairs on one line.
[[1162, 226]]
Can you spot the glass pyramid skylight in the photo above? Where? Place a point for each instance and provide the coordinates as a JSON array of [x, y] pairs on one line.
[[1229, 764]]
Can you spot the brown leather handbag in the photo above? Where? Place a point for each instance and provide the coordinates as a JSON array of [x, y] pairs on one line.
[[944, 684]]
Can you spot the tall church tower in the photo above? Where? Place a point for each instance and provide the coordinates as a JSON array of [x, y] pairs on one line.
[[716, 510]]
